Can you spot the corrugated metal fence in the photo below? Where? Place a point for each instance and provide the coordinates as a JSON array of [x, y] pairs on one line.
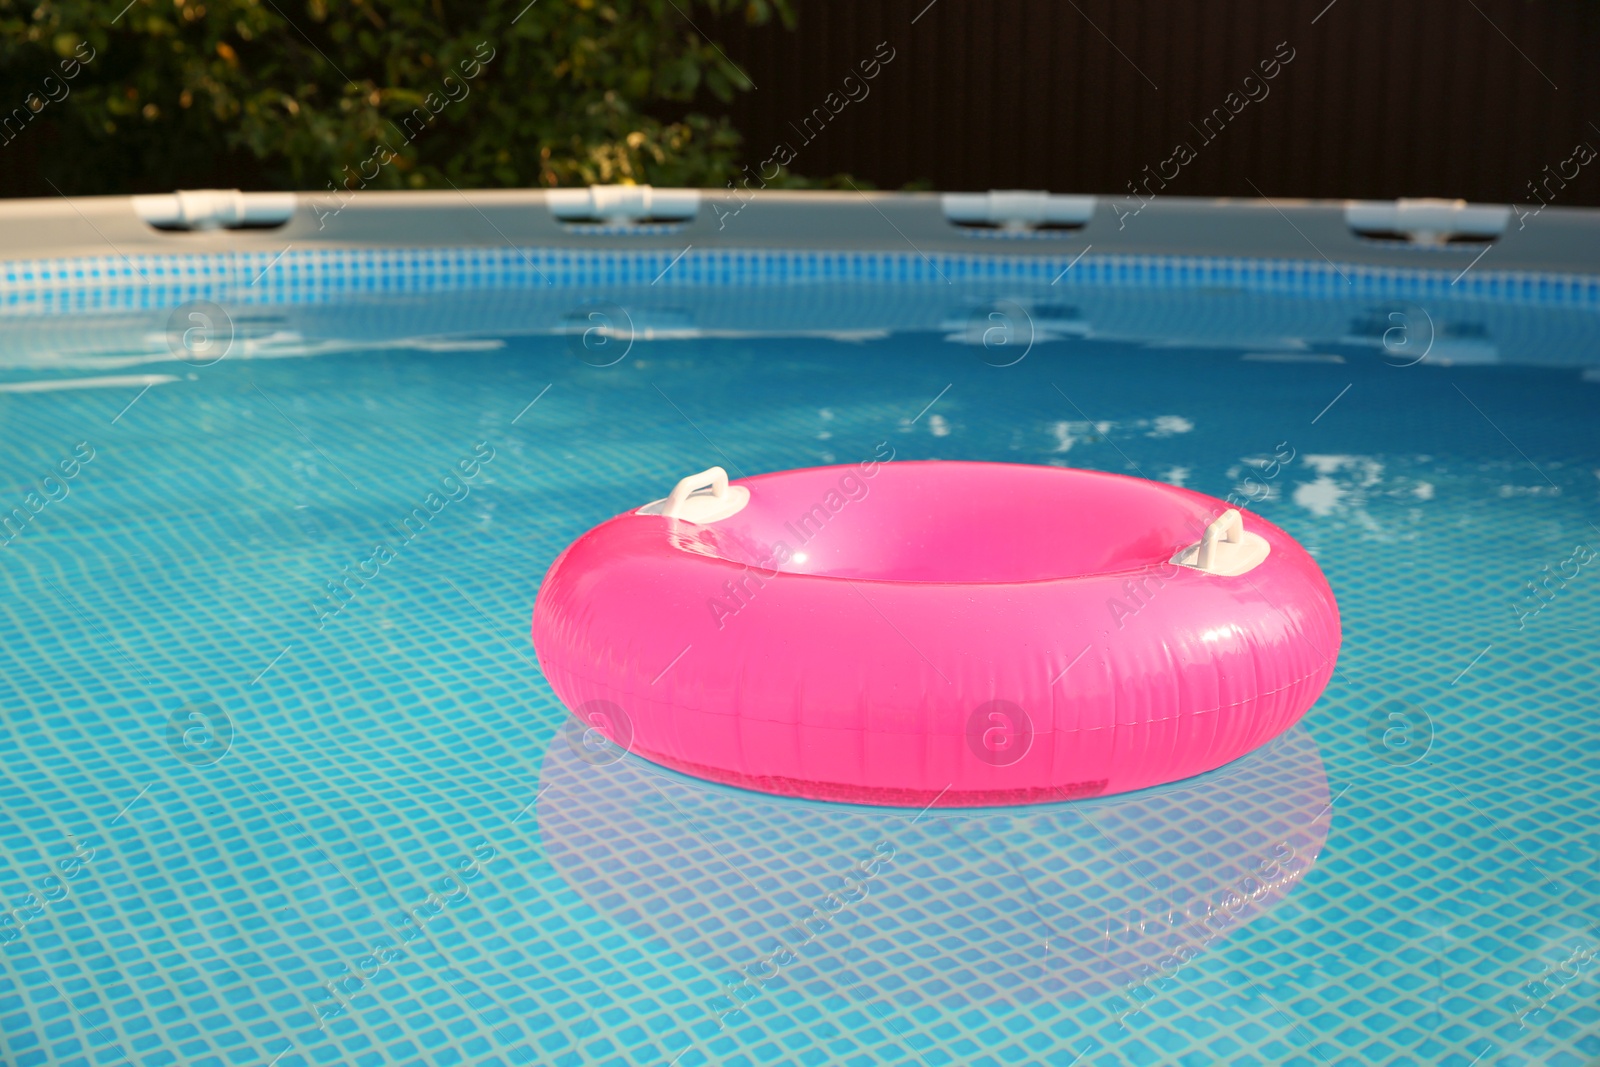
[[1282, 98]]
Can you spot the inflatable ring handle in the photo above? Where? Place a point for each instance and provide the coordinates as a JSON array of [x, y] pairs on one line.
[[687, 503], [715, 477], [1225, 549], [1228, 527]]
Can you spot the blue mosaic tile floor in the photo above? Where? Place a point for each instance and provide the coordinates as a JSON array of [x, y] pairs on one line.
[[238, 826]]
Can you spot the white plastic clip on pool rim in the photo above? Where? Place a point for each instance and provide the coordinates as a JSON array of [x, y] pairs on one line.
[[210, 209]]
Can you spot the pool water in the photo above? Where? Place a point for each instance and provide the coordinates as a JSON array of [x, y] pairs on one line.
[[247, 819]]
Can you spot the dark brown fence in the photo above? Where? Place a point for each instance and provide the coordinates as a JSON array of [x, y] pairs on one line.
[[1368, 98]]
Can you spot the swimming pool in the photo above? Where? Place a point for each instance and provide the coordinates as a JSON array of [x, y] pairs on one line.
[[249, 818]]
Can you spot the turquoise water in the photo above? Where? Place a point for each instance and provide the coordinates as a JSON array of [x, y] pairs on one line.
[[246, 820]]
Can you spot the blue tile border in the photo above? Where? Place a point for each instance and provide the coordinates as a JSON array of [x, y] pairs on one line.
[[93, 283]]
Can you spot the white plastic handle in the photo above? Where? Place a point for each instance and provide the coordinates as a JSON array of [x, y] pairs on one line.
[[1226, 548], [688, 503], [715, 477], [1229, 527]]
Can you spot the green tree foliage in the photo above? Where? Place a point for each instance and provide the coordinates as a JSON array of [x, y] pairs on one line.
[[402, 94]]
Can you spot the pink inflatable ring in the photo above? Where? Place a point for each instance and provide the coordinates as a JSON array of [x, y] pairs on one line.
[[935, 633]]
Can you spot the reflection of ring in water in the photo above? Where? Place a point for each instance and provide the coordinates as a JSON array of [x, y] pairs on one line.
[[1123, 890], [599, 732]]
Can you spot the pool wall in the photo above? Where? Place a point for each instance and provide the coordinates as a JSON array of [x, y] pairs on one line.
[[1555, 239], [1284, 280]]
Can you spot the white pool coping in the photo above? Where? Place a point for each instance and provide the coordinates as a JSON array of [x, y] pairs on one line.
[[1553, 239]]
